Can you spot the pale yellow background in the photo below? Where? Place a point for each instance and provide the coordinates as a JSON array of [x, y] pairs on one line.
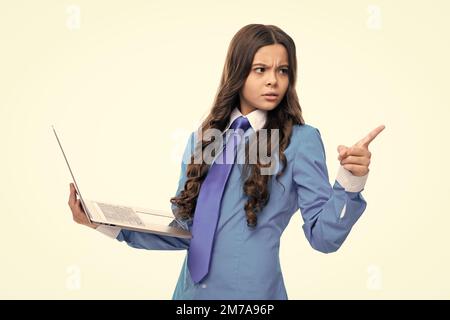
[[126, 86]]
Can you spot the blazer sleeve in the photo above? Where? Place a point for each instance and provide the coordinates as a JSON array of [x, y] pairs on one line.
[[329, 213], [150, 241]]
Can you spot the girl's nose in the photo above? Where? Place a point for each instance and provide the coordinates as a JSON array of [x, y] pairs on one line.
[[272, 79]]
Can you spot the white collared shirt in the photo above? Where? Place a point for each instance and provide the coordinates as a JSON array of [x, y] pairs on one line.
[[257, 118]]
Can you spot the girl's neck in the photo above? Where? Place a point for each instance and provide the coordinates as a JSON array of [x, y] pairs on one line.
[[246, 110]]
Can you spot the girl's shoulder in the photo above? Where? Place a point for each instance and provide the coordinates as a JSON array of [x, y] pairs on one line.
[[306, 138], [301, 131]]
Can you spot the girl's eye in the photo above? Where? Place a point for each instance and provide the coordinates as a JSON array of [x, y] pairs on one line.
[[285, 70]]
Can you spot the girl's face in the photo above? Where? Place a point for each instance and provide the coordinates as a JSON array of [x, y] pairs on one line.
[[269, 74]]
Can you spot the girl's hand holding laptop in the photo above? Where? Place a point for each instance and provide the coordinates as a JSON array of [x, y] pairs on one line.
[[77, 210]]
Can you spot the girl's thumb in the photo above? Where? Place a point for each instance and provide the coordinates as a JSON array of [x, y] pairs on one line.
[[341, 149]]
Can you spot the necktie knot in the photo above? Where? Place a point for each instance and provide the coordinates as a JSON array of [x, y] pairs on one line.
[[240, 123]]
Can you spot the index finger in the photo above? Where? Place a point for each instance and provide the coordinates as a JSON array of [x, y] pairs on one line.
[[372, 135]]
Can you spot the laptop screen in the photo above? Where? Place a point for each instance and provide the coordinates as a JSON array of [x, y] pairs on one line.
[[73, 177]]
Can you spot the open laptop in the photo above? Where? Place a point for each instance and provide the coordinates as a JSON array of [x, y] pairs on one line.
[[132, 218]]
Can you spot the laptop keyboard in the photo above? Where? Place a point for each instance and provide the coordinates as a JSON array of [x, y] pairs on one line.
[[118, 214]]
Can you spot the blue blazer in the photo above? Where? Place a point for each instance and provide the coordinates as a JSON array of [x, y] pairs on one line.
[[245, 262]]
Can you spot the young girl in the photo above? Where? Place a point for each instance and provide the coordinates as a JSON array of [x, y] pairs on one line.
[[253, 209]]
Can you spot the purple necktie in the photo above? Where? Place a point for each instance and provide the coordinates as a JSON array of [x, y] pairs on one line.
[[208, 206]]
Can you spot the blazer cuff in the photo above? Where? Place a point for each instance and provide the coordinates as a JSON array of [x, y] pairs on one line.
[[110, 231], [350, 182]]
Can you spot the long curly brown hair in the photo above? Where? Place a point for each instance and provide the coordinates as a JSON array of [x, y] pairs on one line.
[[241, 51]]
